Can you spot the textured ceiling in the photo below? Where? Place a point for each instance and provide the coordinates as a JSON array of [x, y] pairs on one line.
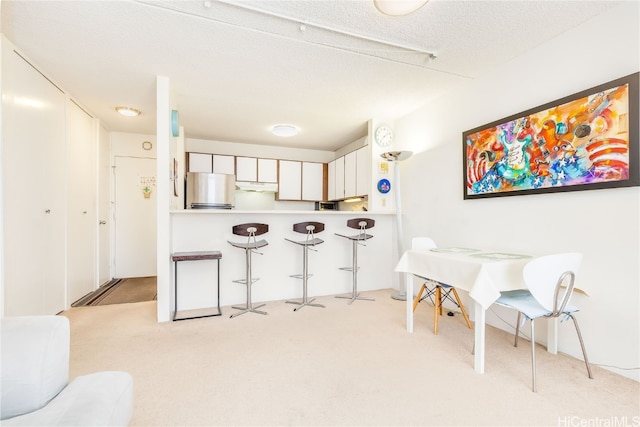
[[239, 67]]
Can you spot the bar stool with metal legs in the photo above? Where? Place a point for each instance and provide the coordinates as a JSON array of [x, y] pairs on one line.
[[251, 230], [308, 228], [362, 224]]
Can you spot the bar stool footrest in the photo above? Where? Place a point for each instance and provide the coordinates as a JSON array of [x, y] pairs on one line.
[[300, 276], [244, 281], [348, 268]]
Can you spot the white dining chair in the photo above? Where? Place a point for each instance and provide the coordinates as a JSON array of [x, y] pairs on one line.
[[550, 282], [437, 292]]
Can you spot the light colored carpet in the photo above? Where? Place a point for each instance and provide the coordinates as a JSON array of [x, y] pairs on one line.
[[342, 365]]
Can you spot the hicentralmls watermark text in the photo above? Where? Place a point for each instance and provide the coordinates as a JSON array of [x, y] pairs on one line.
[[576, 421]]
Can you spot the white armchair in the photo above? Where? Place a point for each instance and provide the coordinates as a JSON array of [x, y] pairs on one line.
[[35, 373]]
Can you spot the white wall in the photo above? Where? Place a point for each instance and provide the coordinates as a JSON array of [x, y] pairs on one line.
[[601, 50]]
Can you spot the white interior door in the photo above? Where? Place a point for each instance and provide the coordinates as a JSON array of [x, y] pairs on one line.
[[104, 208], [81, 202], [135, 217], [33, 187]]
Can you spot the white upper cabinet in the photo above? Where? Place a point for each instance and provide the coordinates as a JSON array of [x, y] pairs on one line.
[[252, 169], [200, 162], [290, 180], [331, 181], [224, 164], [339, 178], [350, 175], [246, 169], [267, 170], [363, 171], [312, 181]]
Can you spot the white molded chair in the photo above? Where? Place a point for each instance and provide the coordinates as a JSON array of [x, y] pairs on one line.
[[440, 290], [550, 280]]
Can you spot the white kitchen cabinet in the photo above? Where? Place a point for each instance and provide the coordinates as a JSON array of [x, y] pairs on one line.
[[312, 181], [252, 169], [331, 180], [200, 162], [246, 169], [289, 180], [350, 175], [224, 164], [339, 178], [363, 171], [268, 170]]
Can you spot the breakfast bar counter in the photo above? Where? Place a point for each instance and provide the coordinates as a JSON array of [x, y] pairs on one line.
[[211, 230]]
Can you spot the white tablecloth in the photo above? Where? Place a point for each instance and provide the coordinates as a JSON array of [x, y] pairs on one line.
[[483, 274]]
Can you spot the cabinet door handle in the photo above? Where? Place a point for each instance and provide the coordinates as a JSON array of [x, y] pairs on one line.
[[84, 212], [47, 211], [102, 222]]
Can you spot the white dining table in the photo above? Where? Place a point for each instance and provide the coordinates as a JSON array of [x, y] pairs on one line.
[[482, 273]]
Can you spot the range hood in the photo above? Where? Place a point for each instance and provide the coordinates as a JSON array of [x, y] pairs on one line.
[[268, 187]]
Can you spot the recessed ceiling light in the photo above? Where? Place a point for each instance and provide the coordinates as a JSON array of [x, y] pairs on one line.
[[284, 130], [399, 7], [128, 111]]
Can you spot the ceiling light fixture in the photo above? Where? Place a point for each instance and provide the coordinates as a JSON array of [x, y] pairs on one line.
[[128, 111], [284, 130], [399, 7]]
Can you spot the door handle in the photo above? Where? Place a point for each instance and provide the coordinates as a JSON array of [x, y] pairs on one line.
[[102, 222]]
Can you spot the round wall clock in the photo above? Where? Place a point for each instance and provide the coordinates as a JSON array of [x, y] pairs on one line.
[[383, 136], [175, 123]]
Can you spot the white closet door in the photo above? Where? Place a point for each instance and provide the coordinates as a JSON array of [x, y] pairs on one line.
[[104, 208], [33, 169], [82, 219]]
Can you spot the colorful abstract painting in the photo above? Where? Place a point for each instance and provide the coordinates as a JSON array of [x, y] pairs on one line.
[[585, 141]]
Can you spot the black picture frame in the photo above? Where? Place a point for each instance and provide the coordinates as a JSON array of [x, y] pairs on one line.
[[584, 141]]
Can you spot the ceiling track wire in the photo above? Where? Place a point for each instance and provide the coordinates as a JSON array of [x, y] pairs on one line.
[[430, 54], [360, 51]]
